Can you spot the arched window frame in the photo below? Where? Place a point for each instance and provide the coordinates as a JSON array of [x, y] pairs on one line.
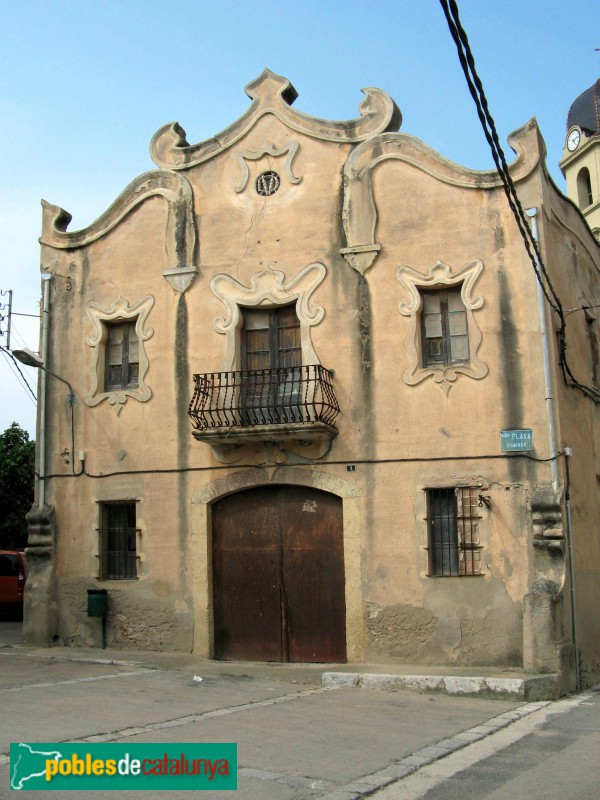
[[584, 188]]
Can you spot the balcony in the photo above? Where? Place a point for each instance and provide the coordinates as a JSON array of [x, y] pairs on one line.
[[289, 404]]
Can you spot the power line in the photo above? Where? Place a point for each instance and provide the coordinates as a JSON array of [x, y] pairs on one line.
[[366, 461], [15, 333], [12, 363], [475, 85]]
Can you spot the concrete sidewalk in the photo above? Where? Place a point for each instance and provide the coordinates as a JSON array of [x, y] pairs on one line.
[[300, 733], [511, 684], [295, 740]]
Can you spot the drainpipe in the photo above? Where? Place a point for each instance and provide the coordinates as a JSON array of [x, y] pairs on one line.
[[552, 436], [568, 455], [46, 278]]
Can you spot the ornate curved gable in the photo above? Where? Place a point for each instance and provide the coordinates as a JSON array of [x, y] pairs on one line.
[[181, 226], [273, 94], [360, 209]]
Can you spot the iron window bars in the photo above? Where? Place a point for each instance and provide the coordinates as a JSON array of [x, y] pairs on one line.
[[118, 541], [453, 525]]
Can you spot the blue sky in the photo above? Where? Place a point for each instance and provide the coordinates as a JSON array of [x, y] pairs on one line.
[[84, 86]]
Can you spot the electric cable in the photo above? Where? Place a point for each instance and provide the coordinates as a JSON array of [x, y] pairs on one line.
[[362, 461], [476, 89], [489, 128], [12, 363]]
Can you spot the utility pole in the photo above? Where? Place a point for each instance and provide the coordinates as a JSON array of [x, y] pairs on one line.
[[6, 314], [6, 307]]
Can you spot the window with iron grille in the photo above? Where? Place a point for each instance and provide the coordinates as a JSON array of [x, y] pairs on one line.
[[118, 541], [444, 328], [122, 356], [453, 528]]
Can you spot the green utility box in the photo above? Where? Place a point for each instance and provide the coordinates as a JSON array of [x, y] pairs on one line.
[[97, 603]]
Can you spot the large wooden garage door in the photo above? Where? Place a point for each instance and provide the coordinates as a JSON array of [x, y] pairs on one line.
[[278, 576]]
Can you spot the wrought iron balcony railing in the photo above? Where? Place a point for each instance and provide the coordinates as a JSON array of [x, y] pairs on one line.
[[264, 397]]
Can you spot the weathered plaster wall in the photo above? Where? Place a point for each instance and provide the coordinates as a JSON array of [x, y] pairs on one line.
[[574, 259], [416, 618], [146, 617], [401, 438]]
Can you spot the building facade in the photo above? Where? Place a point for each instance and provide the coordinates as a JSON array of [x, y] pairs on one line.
[[319, 411]]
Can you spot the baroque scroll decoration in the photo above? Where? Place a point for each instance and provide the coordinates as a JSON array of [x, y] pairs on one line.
[[119, 310], [174, 188], [289, 151], [180, 231], [359, 215], [441, 274], [268, 287], [273, 94]]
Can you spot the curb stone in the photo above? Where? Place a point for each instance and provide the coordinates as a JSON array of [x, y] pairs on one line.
[[531, 688]]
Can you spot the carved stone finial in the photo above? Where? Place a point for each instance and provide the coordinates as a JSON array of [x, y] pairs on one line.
[[269, 87], [181, 279], [40, 612]]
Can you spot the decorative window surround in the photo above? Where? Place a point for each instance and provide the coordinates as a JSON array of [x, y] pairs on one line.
[[268, 287], [440, 274], [120, 310], [242, 156]]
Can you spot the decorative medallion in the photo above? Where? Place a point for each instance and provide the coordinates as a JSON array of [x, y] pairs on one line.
[[267, 183]]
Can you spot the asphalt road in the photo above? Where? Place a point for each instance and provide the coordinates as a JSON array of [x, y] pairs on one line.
[[295, 738], [552, 754]]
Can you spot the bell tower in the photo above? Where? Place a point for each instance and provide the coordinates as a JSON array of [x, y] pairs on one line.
[[580, 162]]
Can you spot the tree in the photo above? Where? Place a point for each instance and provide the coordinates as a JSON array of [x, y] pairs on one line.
[[17, 478]]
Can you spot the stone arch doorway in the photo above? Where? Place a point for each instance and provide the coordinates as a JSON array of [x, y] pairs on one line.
[[278, 575]]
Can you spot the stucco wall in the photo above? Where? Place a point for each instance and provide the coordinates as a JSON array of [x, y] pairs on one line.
[[402, 436]]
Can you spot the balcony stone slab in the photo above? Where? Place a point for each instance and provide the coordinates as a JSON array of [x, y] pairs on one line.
[[265, 444]]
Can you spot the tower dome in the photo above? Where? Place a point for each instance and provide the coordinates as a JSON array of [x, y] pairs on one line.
[[585, 111]]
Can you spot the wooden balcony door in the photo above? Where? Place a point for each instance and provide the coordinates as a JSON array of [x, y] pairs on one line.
[[272, 353], [278, 576]]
